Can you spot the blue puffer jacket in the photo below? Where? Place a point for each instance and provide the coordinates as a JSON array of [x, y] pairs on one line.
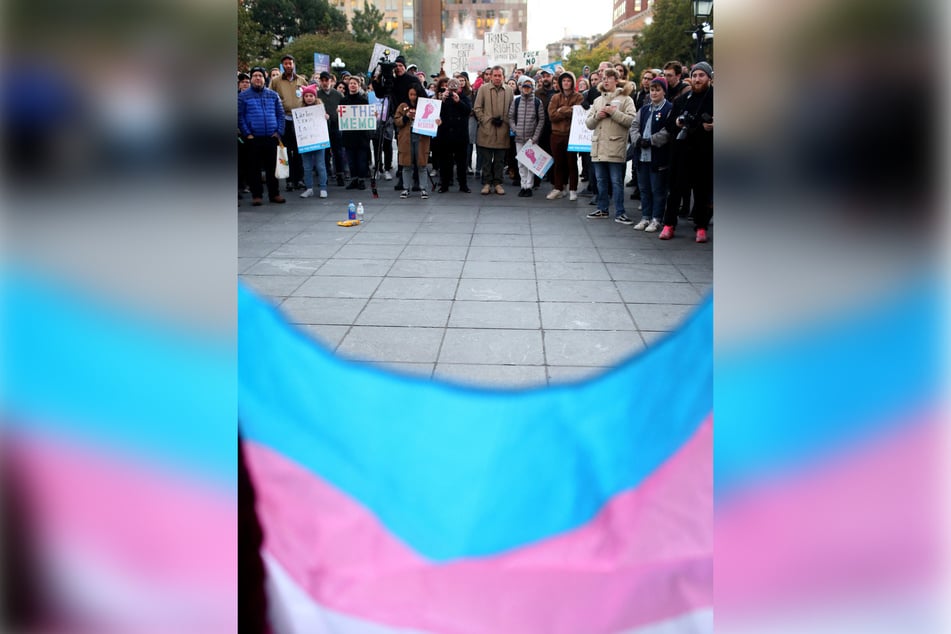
[[260, 112]]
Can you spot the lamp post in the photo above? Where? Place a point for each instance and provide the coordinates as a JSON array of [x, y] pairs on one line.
[[337, 65], [629, 63], [702, 13]]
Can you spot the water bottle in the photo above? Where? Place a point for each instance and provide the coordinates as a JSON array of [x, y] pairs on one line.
[[360, 212], [351, 211]]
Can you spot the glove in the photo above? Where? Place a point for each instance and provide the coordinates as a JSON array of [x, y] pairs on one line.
[[497, 122], [645, 143]]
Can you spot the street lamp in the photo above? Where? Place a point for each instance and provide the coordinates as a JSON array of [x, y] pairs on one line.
[[702, 13], [337, 64], [629, 63]]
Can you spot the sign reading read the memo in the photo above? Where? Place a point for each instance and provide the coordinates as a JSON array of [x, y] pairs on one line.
[[357, 117], [504, 48]]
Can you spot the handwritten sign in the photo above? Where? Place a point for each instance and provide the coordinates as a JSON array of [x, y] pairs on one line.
[[427, 111], [321, 63], [310, 125], [504, 48], [535, 58], [477, 64], [381, 50], [356, 117], [579, 136], [535, 159], [458, 52]]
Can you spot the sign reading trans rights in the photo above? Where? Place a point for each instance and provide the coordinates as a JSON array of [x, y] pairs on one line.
[[504, 48]]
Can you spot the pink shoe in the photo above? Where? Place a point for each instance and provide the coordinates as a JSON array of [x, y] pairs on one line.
[[667, 232], [701, 235]]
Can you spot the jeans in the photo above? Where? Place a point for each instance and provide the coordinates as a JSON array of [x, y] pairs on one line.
[[653, 186], [312, 160], [610, 175]]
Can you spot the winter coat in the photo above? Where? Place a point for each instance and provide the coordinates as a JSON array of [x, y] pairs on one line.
[[492, 102], [289, 90], [530, 119], [455, 119], [561, 121], [609, 141], [260, 112], [331, 99], [660, 135], [404, 130]]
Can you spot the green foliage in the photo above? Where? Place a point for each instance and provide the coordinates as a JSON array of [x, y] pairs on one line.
[[367, 25], [667, 38], [253, 44], [356, 55], [427, 58], [283, 20], [578, 59]]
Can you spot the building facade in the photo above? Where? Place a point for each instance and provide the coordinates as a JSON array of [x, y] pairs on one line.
[[626, 9]]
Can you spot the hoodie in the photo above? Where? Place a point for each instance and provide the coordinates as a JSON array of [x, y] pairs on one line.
[[558, 115]]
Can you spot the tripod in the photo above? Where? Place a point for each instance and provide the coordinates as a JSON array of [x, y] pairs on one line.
[[378, 140]]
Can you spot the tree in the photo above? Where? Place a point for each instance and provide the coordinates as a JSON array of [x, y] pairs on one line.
[[578, 59], [367, 25], [356, 55], [284, 20], [668, 37], [253, 44]]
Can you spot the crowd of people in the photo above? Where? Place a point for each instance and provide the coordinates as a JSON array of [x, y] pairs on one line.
[[661, 126]]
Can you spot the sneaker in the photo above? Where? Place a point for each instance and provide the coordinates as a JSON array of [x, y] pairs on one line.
[[598, 214], [424, 194], [465, 190], [361, 184], [323, 193], [307, 193], [499, 190], [353, 184], [554, 194], [572, 195], [486, 189], [521, 193], [667, 232], [653, 226], [404, 193], [623, 219], [387, 176], [642, 224], [701, 235]]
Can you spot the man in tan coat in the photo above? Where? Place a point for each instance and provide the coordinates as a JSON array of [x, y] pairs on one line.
[[611, 117], [491, 109], [289, 86]]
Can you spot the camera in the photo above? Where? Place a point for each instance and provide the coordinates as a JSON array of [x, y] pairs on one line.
[[687, 119], [384, 74], [497, 121], [645, 143]]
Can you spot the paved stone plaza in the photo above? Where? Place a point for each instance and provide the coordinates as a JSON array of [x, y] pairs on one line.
[[492, 290]]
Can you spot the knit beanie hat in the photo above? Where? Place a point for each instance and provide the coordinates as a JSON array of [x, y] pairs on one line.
[[660, 81], [259, 69], [705, 67], [311, 88], [400, 60]]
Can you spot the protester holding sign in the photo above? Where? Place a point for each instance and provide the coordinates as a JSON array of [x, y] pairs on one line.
[[560, 110], [413, 148], [527, 118], [357, 141], [313, 158]]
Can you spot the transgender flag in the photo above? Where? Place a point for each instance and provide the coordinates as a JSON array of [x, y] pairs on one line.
[[392, 503]]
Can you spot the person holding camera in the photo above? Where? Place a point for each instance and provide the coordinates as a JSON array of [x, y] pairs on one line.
[[651, 150], [453, 136], [492, 140], [693, 124]]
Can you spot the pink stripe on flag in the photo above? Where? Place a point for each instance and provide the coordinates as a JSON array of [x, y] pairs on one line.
[[647, 556]]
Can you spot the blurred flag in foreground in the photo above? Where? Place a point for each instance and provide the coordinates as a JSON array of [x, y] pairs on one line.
[[395, 504], [119, 467]]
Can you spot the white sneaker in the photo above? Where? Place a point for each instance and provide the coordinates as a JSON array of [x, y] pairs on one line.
[[642, 224], [554, 194], [323, 193], [307, 193], [387, 176], [572, 195], [653, 226]]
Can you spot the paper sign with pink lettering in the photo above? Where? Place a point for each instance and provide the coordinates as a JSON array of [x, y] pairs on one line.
[[536, 159], [427, 111]]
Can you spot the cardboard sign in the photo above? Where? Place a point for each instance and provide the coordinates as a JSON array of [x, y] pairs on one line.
[[458, 52], [579, 137], [535, 58], [536, 159], [381, 50], [427, 111], [321, 63], [504, 48], [310, 125], [356, 117]]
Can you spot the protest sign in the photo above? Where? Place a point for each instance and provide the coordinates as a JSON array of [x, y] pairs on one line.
[[458, 52], [579, 136], [356, 117], [427, 111], [536, 159], [535, 58], [504, 48], [310, 125], [321, 63], [382, 50], [477, 64]]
